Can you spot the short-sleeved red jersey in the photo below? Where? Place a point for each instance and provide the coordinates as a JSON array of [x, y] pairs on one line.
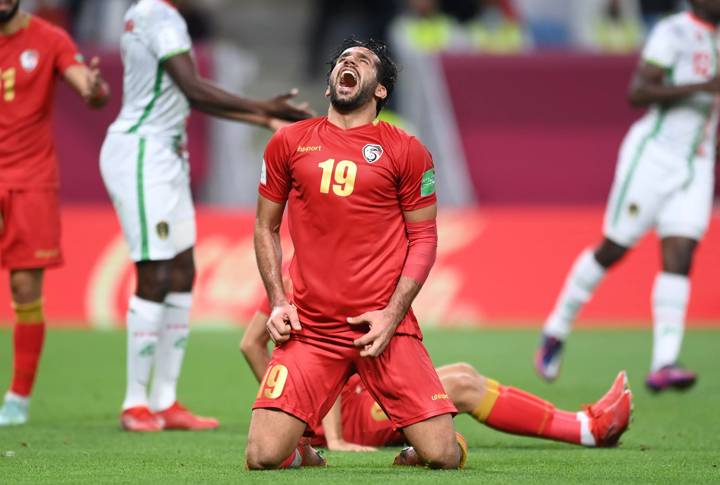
[[346, 192], [30, 62]]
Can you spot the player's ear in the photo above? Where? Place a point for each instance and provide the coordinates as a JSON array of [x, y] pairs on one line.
[[327, 92], [380, 91]]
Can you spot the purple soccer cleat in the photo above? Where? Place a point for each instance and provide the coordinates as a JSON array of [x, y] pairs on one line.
[[670, 376], [548, 358]]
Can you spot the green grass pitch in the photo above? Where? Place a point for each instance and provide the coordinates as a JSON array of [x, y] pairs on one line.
[[74, 437]]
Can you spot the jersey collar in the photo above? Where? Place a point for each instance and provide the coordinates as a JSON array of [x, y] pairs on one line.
[[169, 4], [702, 23]]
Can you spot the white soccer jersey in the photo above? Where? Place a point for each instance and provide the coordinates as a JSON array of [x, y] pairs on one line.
[[152, 102], [687, 48]]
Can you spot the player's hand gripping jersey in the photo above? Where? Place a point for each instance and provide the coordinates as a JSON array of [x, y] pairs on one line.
[[347, 190], [152, 102], [30, 62]]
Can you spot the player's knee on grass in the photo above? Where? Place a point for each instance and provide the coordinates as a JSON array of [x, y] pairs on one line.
[[273, 437], [435, 442], [609, 252], [182, 274], [677, 254], [26, 285], [153, 280]]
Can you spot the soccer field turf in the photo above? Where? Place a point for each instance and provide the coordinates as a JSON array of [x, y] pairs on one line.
[[74, 437]]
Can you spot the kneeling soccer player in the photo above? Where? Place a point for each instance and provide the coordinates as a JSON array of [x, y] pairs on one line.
[[362, 207], [362, 424]]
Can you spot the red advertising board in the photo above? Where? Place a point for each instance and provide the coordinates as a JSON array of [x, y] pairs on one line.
[[498, 266]]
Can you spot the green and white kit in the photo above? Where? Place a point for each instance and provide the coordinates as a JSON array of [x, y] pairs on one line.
[[143, 161], [664, 176]]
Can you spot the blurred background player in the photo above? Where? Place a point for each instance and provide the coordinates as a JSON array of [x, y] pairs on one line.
[[354, 278], [145, 169], [33, 55], [357, 423], [664, 179]]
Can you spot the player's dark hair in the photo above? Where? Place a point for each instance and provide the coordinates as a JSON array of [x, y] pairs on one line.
[[387, 70]]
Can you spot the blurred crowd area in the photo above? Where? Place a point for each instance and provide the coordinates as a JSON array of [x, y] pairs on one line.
[[485, 26]]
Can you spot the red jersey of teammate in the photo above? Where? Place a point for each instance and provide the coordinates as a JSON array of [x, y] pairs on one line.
[[346, 193], [30, 61]]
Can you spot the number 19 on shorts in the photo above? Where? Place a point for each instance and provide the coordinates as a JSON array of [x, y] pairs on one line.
[[273, 383]]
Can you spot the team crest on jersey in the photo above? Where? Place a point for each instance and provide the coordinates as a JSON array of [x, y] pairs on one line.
[[29, 59], [163, 230], [372, 153], [633, 209]]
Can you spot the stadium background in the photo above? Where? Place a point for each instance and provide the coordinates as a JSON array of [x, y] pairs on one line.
[[524, 128]]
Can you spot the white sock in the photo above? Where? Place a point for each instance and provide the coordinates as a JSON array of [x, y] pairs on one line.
[[174, 333], [580, 284], [670, 296], [586, 436], [143, 320], [22, 400]]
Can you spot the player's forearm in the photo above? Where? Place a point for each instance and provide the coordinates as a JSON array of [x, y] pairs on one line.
[[401, 299], [332, 424], [268, 254], [257, 358], [204, 96], [642, 95], [262, 121]]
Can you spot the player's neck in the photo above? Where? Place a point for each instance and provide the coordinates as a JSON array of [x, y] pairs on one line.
[[346, 121], [18, 22]]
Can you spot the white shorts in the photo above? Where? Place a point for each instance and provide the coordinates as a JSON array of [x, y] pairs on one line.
[[148, 180], [654, 188]]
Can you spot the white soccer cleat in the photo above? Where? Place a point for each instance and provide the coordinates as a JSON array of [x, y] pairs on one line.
[[14, 411]]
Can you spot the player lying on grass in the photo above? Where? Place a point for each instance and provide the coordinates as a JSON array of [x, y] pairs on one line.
[[357, 422]]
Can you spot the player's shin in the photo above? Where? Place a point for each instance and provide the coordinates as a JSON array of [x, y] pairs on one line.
[[517, 412], [584, 276], [670, 296], [28, 338], [172, 340], [143, 320]]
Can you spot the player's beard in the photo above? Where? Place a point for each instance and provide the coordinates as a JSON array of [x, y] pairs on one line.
[[348, 105], [7, 15]]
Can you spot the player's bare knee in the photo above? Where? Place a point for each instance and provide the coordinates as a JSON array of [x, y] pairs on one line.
[[26, 286], [153, 280], [609, 252], [677, 254], [182, 274], [445, 455], [262, 454]]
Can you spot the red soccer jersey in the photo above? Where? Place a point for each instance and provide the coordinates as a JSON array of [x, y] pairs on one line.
[[30, 61], [346, 192]]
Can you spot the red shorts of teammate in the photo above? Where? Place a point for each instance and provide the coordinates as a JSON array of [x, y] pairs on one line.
[[305, 377], [30, 235]]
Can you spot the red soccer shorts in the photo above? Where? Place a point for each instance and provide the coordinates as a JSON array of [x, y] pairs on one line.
[[363, 420], [305, 377], [30, 236]]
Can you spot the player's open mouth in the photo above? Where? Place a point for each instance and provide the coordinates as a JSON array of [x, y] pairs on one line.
[[348, 79]]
